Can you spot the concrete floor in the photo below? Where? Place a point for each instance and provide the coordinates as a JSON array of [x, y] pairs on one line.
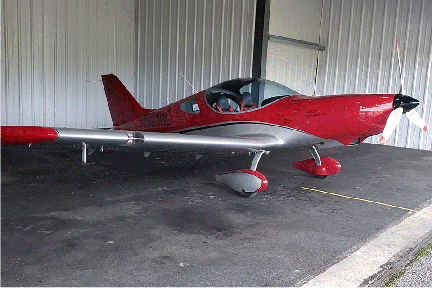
[[164, 221]]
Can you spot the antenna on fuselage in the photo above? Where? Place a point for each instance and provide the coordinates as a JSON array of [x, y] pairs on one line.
[[189, 83], [313, 79]]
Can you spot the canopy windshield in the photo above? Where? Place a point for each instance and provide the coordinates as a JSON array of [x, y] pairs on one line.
[[245, 94]]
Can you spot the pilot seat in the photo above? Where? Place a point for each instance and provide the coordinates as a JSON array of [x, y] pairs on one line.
[[222, 105], [247, 102]]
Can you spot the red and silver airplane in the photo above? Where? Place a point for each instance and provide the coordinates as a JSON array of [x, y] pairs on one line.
[[249, 115]]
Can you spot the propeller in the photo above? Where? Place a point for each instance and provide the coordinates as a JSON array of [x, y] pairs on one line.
[[402, 104]]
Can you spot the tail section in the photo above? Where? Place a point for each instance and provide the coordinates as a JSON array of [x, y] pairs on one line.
[[123, 106]]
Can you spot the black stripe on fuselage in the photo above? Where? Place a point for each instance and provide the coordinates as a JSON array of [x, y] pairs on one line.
[[198, 128]]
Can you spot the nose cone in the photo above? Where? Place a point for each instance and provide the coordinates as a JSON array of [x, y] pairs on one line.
[[406, 102]]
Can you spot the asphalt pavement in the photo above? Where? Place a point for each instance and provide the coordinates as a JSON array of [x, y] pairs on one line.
[[163, 220]]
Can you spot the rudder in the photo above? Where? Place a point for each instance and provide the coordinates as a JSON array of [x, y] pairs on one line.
[[122, 105]]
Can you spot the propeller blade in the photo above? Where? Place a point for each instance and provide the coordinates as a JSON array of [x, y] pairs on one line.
[[415, 118], [392, 122]]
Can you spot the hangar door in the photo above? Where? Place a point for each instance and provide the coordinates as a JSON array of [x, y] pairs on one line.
[[293, 43]]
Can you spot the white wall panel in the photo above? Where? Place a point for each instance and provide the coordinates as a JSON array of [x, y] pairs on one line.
[[297, 19], [206, 41], [53, 53], [360, 57], [289, 64], [292, 66]]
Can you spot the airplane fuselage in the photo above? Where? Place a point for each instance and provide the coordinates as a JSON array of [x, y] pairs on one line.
[[297, 120]]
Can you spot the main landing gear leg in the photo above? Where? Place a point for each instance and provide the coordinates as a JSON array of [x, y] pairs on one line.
[[248, 181], [320, 167], [257, 158], [85, 150]]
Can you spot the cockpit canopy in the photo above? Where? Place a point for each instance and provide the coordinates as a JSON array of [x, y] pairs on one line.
[[244, 94]]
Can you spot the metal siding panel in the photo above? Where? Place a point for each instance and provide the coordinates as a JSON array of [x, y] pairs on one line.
[[25, 65], [217, 38], [165, 54], [362, 58], [226, 41], [60, 66], [11, 91], [181, 49], [205, 41], [199, 39], [172, 60], [190, 47], [49, 60], [55, 52], [82, 63], [38, 77], [102, 59], [3, 118], [426, 71]]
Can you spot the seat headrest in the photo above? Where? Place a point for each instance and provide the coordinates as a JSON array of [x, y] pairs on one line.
[[247, 99], [222, 102]]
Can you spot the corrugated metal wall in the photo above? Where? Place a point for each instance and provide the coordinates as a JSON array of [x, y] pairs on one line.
[[53, 53], [206, 41], [360, 57]]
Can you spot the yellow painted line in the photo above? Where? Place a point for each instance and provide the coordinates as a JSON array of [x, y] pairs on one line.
[[360, 199]]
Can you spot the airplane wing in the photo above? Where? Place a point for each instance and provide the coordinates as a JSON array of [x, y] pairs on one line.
[[147, 141]]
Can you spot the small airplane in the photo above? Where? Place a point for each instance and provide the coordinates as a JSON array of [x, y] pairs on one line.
[[245, 115]]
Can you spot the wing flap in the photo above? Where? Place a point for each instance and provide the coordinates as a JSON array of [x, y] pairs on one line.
[[185, 142]]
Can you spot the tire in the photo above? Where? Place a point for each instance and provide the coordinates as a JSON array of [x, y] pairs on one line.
[[322, 176], [246, 194]]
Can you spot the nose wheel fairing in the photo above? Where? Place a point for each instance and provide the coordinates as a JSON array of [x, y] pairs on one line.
[[321, 167], [329, 166]]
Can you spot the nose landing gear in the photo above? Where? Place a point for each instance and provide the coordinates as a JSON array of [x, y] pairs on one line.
[[320, 167]]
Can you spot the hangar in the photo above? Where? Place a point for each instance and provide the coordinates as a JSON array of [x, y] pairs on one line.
[[53, 53]]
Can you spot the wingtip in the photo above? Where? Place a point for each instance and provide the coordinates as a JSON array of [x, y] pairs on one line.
[[425, 129], [22, 135]]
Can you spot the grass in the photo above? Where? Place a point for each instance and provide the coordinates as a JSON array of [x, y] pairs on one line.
[[396, 276]]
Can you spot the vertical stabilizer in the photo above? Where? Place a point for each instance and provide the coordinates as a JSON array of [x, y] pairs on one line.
[[123, 106]]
